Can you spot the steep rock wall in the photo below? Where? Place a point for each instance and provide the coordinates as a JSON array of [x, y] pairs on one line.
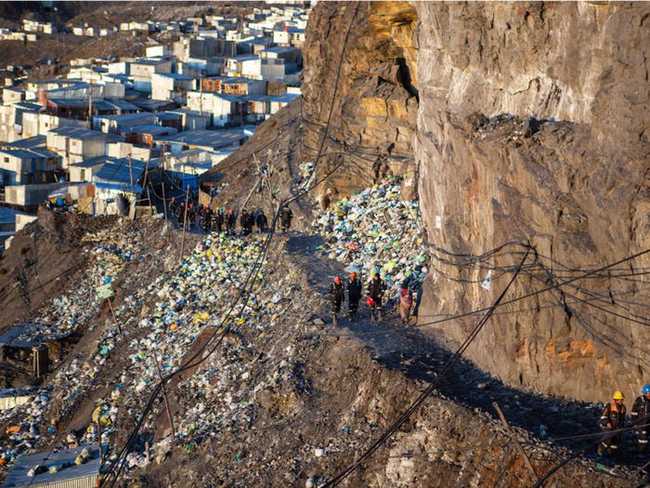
[[533, 126], [375, 106]]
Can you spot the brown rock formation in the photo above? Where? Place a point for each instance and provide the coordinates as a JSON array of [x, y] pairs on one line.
[[373, 118], [533, 125]]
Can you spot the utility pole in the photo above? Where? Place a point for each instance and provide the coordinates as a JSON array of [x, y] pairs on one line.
[[187, 196], [164, 390], [519, 447], [90, 107]]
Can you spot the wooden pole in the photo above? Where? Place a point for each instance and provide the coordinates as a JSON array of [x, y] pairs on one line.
[[187, 196], [164, 198], [110, 306], [130, 172], [513, 436], [149, 199], [164, 390]]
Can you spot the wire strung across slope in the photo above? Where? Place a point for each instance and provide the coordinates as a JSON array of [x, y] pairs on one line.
[[489, 311], [542, 290], [388, 433]]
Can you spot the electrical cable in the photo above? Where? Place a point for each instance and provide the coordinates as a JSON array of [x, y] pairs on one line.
[[388, 433]]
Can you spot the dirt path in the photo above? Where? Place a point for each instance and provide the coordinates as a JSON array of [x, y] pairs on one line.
[[420, 357]]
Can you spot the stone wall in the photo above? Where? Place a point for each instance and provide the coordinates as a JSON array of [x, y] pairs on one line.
[[533, 126], [373, 119]]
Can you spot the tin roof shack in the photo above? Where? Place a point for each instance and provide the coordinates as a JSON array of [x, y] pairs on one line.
[[147, 135], [243, 86], [13, 397], [85, 170], [188, 166], [27, 166], [247, 66], [40, 123], [226, 110], [28, 349], [122, 124], [11, 221], [183, 119], [75, 144], [171, 86], [59, 469], [29, 197], [12, 94], [118, 181], [143, 69], [126, 149], [207, 140]]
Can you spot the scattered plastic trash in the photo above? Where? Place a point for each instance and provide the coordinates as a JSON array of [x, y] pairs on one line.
[[375, 230]]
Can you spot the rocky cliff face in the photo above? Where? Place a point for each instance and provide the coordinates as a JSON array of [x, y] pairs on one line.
[[373, 118], [533, 126]]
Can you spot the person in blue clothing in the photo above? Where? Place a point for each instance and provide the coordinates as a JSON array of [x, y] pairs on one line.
[[640, 415]]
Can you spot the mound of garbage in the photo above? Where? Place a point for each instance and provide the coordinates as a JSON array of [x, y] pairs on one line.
[[376, 231]]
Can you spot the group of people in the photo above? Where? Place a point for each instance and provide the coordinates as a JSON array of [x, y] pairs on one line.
[[191, 214], [374, 299], [614, 417]]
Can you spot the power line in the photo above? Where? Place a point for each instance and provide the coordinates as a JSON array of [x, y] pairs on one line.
[[388, 433], [543, 290]]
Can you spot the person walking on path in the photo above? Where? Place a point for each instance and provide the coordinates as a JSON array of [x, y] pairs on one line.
[[231, 221], [286, 215], [207, 219], [612, 418], [640, 413], [405, 304], [354, 295], [260, 220], [376, 289], [219, 220], [337, 294]]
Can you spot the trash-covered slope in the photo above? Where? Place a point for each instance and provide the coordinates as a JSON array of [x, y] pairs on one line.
[[284, 400]]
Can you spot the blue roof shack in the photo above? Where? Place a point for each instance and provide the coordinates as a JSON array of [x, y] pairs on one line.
[[57, 469]]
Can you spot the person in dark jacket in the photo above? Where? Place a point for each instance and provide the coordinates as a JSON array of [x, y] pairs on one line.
[[243, 222], [376, 289], [639, 415], [260, 220], [354, 295], [180, 214], [250, 223], [191, 216], [286, 215], [207, 219], [337, 293], [231, 221], [219, 220], [612, 418]]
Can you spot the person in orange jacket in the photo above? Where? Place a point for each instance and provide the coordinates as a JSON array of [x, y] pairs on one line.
[[612, 418]]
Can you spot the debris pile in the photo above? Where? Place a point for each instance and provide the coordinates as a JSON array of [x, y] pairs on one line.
[[376, 231]]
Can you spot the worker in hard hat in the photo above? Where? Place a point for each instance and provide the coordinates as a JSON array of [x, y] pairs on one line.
[[612, 418], [640, 415]]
